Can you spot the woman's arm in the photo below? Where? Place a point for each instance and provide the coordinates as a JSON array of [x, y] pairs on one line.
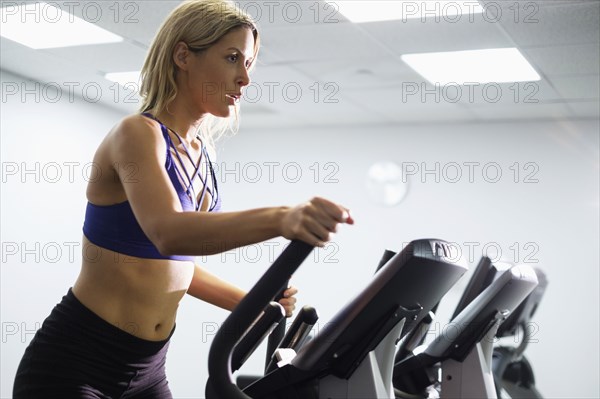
[[210, 288], [138, 142]]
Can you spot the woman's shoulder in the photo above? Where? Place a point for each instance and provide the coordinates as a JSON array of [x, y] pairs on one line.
[[137, 131], [135, 125]]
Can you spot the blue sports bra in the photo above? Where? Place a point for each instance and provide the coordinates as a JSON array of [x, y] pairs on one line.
[[115, 227]]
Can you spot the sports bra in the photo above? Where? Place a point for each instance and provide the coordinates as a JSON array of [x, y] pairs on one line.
[[115, 227]]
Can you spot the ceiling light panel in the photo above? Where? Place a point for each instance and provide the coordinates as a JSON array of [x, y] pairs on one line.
[[474, 66], [41, 25]]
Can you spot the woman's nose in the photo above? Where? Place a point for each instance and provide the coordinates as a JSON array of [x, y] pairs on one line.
[[244, 79]]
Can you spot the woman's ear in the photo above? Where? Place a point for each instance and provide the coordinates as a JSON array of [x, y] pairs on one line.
[[181, 55]]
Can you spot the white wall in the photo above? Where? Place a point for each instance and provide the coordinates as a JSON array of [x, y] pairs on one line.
[[552, 223]]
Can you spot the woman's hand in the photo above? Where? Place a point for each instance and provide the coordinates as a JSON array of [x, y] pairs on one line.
[[288, 301], [314, 221]]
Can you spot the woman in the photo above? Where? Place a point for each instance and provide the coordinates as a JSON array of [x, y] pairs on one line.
[[154, 211]]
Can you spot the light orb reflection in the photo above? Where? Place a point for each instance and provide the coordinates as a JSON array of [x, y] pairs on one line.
[[386, 183]]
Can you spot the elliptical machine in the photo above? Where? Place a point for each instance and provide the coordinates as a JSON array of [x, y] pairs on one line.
[[352, 357], [458, 363], [513, 373]]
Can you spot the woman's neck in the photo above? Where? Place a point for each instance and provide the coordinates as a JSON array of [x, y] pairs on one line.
[[181, 123]]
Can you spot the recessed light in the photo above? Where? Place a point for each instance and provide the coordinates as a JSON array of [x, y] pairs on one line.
[[129, 80], [41, 25], [473, 66]]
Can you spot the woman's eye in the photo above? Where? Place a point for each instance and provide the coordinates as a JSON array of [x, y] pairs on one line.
[[233, 58]]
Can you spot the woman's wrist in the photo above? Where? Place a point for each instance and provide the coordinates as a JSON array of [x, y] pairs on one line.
[[278, 220]]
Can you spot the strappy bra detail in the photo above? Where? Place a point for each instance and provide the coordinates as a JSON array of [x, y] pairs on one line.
[[115, 227], [185, 177]]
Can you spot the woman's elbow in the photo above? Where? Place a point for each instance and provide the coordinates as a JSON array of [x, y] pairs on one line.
[[164, 240], [170, 239], [165, 248]]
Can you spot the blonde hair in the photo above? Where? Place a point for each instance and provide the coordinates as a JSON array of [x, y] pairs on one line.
[[199, 24]]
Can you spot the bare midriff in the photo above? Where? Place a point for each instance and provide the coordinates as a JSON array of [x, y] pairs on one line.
[[137, 295]]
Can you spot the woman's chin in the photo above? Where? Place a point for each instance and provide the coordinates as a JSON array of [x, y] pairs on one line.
[[223, 113]]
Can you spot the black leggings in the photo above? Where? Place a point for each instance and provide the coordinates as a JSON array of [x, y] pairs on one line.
[[76, 354]]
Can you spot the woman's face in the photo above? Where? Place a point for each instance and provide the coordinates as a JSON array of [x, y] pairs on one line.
[[215, 76]]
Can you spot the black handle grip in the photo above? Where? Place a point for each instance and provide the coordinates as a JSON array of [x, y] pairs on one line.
[[270, 317], [297, 333], [300, 328], [219, 357], [278, 332]]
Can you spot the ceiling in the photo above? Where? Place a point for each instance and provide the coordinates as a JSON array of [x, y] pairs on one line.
[[318, 69]]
